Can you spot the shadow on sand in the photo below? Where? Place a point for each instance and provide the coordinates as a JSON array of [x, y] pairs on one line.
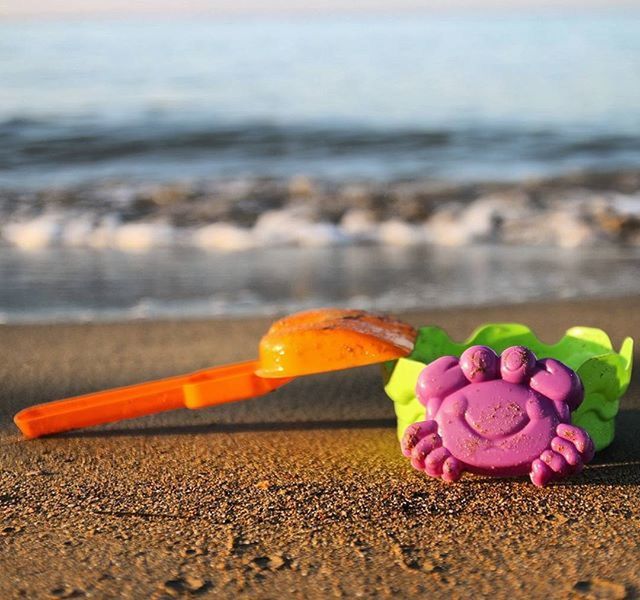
[[214, 428]]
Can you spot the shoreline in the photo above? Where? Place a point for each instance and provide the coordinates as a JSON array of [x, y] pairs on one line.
[[411, 314], [302, 493]]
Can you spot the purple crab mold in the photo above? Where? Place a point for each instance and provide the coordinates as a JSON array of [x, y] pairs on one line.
[[503, 416]]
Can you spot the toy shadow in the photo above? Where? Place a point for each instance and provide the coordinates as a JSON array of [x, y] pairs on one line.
[[214, 428]]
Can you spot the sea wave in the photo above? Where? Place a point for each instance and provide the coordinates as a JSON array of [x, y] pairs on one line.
[[38, 151], [234, 215], [31, 142], [34, 142]]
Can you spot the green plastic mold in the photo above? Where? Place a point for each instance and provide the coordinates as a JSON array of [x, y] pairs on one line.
[[604, 372]]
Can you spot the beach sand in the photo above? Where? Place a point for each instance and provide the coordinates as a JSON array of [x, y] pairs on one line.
[[300, 494]]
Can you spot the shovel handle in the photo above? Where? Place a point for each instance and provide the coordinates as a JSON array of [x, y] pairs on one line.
[[194, 390]]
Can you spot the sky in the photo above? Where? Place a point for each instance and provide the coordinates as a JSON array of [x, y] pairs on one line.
[[49, 8]]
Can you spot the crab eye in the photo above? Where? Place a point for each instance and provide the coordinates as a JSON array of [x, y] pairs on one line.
[[517, 364], [479, 363]]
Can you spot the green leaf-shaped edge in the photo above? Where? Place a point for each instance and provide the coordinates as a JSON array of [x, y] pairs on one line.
[[605, 373]]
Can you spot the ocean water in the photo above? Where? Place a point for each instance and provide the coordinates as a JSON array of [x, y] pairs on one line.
[[194, 167], [499, 96]]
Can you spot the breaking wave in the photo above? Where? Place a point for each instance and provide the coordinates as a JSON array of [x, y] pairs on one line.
[[242, 214]]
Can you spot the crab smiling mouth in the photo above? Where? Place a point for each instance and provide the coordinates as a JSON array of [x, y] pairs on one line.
[[503, 416], [493, 427]]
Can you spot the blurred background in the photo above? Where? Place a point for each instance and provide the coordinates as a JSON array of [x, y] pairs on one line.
[[214, 158]]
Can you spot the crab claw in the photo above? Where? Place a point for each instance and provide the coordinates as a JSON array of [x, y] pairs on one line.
[[559, 383], [422, 444], [570, 450], [579, 438], [437, 380], [416, 433]]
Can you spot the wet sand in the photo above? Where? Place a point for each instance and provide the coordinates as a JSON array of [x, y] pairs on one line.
[[300, 494]]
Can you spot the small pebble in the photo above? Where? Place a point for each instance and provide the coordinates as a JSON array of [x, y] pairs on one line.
[[601, 589]]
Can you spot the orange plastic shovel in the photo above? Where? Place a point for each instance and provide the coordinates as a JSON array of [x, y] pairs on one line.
[[309, 342]]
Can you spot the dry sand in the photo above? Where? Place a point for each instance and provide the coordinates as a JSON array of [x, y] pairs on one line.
[[301, 494]]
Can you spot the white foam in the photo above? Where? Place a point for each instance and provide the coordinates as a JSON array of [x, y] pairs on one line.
[[319, 234], [77, 232], [482, 220], [223, 236], [36, 234], [443, 229], [359, 225], [398, 233], [568, 220], [141, 236], [292, 227], [109, 232], [570, 230], [278, 228], [627, 205]]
